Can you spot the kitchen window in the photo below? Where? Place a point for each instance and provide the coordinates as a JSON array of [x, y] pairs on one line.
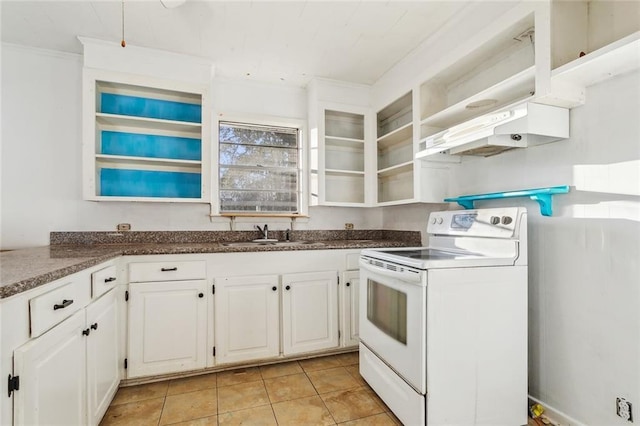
[[259, 169]]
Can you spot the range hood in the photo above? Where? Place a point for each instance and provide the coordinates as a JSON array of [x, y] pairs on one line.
[[517, 126]]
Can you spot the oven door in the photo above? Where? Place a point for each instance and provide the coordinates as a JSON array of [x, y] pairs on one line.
[[393, 318]]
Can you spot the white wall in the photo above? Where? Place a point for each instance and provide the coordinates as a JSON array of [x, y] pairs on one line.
[[41, 156], [584, 274]]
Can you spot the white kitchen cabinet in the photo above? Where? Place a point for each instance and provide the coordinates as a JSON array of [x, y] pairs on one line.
[[247, 318], [103, 365], [145, 139], [52, 372], [309, 312], [350, 308], [167, 327], [339, 158], [69, 374], [395, 151], [341, 144], [400, 178]]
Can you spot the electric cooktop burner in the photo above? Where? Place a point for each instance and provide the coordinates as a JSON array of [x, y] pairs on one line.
[[428, 254]]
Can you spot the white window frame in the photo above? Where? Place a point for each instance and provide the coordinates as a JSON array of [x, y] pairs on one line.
[[260, 120]]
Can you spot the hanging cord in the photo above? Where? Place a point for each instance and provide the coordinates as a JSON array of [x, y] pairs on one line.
[[123, 43]]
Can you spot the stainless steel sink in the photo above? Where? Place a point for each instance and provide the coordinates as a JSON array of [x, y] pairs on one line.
[[272, 243]]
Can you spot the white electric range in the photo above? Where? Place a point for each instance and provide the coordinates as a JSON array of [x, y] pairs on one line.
[[443, 328]]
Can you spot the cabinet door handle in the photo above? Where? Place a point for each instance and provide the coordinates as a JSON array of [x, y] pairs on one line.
[[94, 326], [175, 268], [86, 332], [274, 288], [288, 287], [201, 295], [62, 305], [348, 284], [110, 279]]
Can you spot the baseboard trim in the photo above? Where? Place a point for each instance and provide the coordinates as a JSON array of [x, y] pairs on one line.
[[555, 416]]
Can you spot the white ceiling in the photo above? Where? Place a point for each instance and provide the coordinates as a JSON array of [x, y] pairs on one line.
[[291, 41]]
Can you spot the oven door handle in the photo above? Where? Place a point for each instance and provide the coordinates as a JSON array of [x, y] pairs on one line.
[[407, 274]]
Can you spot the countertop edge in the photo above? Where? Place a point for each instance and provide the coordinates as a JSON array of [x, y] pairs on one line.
[[29, 283]]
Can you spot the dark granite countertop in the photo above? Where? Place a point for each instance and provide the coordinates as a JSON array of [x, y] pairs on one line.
[[22, 270]]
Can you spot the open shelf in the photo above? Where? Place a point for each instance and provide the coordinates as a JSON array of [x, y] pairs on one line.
[[399, 135], [543, 196], [331, 141], [396, 184], [147, 143], [617, 58], [397, 169], [147, 161], [343, 125], [499, 70], [144, 123], [514, 88], [337, 172], [395, 116], [344, 188]]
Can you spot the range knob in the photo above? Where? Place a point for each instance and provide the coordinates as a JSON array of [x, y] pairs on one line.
[[439, 221], [494, 220], [433, 221], [506, 220]]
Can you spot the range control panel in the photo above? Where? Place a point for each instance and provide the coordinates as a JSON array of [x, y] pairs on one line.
[[493, 223]]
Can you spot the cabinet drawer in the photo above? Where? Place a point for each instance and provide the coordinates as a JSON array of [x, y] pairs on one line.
[[167, 271], [352, 261], [102, 281], [50, 308]]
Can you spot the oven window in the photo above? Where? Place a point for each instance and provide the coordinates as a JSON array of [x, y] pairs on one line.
[[387, 310]]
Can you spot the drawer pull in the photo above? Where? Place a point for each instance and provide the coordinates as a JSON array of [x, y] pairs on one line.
[[200, 295], [110, 279], [175, 268], [94, 326], [86, 332], [287, 287], [64, 304], [274, 288]]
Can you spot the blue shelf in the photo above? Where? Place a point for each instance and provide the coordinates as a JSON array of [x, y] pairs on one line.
[[150, 108], [154, 146], [149, 183], [543, 196]]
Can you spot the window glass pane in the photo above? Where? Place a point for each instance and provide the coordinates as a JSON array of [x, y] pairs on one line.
[[247, 155], [258, 201], [248, 179], [255, 135], [259, 168]]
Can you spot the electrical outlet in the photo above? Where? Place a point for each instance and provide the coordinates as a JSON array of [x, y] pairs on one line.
[[623, 409], [124, 227], [348, 226]]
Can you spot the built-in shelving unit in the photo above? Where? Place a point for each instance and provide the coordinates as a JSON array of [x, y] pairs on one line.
[[497, 73], [395, 151], [344, 157], [591, 41], [144, 143]]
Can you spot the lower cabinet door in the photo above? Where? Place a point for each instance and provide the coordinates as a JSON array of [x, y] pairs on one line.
[[247, 318], [103, 367], [350, 307], [309, 311], [167, 327], [52, 373]]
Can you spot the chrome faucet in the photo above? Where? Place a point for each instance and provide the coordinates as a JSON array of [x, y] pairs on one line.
[[264, 231]]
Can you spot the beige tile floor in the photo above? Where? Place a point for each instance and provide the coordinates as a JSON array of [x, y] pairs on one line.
[[320, 391]]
